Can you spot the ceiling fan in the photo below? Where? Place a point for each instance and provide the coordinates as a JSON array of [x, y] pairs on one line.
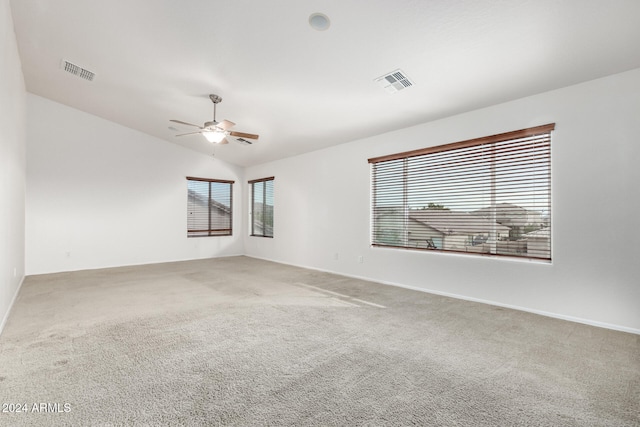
[[217, 132]]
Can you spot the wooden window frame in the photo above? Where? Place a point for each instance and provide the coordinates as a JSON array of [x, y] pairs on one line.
[[393, 178], [264, 205], [210, 230]]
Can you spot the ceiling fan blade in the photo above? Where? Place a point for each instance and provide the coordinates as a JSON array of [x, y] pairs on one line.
[[225, 125], [185, 123], [244, 135], [190, 133], [224, 141]]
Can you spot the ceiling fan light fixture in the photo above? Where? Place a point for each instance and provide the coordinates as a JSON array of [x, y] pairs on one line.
[[214, 136], [214, 131]]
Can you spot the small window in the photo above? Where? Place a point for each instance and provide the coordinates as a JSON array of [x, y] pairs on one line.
[[262, 207], [209, 207], [486, 196]]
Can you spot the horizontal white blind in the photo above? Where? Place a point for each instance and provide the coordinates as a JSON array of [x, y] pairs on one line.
[[209, 207], [486, 196]]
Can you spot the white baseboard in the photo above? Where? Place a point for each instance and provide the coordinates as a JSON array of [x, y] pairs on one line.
[[525, 309], [13, 301], [478, 300], [139, 264]]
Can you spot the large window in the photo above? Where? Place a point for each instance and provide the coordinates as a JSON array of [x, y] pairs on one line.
[[209, 207], [489, 195], [262, 207]]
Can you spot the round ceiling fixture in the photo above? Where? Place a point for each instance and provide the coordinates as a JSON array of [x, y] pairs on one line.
[[319, 21]]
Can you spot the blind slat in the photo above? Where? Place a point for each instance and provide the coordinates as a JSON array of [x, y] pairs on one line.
[[508, 136]]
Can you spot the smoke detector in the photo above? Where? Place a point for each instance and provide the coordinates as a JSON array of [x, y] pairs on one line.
[[319, 21], [76, 70], [394, 81]]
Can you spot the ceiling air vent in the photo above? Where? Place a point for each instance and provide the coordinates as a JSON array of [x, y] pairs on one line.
[[76, 70], [244, 141], [394, 81]]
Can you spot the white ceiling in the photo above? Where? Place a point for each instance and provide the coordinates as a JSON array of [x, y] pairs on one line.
[[303, 89]]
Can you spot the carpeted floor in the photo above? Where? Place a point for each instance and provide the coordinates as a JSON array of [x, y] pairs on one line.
[[244, 342]]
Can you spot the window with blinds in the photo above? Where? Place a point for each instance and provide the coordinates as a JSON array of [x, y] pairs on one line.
[[209, 207], [262, 207], [486, 196]]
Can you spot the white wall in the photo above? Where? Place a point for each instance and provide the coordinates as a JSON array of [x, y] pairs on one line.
[[322, 209], [12, 164], [103, 195]]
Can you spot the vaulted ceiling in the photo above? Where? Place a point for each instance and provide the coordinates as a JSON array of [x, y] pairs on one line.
[[302, 89]]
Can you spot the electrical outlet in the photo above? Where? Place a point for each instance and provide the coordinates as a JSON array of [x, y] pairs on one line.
[[360, 259]]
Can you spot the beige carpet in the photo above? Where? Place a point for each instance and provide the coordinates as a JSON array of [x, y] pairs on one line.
[[239, 341]]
